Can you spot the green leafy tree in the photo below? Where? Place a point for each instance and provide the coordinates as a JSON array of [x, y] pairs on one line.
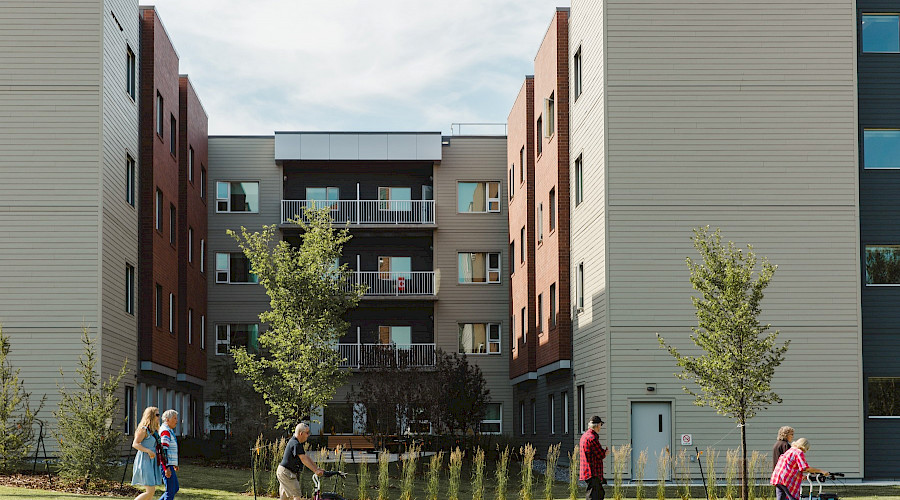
[[16, 414], [89, 441], [298, 367], [740, 354]]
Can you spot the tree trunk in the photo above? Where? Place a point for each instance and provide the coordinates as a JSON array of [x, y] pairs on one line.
[[744, 478]]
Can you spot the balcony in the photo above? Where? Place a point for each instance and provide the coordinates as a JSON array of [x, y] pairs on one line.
[[359, 356], [413, 284], [397, 213]]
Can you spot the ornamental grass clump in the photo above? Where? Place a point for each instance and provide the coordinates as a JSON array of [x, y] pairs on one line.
[[341, 464], [384, 480], [682, 469], [711, 479], [753, 470], [662, 471], [433, 476], [621, 456], [527, 492], [478, 475], [409, 472], [456, 457], [502, 474], [573, 474], [732, 457], [550, 471], [362, 478], [639, 475]]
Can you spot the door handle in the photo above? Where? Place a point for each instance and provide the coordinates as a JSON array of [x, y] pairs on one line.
[[660, 422]]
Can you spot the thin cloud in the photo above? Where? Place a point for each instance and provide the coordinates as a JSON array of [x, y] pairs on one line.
[[354, 65]]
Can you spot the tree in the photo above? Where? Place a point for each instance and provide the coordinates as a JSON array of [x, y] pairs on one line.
[[246, 416], [735, 373], [88, 439], [389, 397], [16, 414], [297, 367], [462, 393]]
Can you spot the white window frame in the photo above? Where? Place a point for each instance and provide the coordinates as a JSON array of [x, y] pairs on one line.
[[512, 328], [522, 165], [565, 400], [191, 164], [533, 417], [130, 72], [385, 205], [551, 409], [540, 312], [160, 115], [227, 198], [171, 312], [129, 288], [488, 199], [489, 341], [522, 417], [512, 172], [540, 222], [190, 249], [576, 70], [579, 287], [190, 325], [228, 336], [227, 271], [487, 269], [579, 180], [498, 422], [130, 173], [159, 209], [202, 332], [129, 410], [524, 322], [581, 409], [550, 115], [202, 255]]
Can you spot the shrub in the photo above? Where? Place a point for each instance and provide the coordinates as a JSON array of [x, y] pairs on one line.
[[662, 470], [550, 471], [732, 458], [433, 476], [502, 474], [16, 414], [409, 472], [573, 474], [682, 469], [456, 457], [711, 474], [621, 456], [527, 473], [86, 420], [478, 476], [362, 478], [639, 473], [754, 466], [384, 479]]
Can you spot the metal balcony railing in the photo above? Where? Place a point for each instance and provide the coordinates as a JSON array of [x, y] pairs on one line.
[[396, 284], [386, 355], [365, 211]]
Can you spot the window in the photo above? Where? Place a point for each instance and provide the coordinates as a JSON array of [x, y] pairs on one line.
[[130, 73], [524, 338], [512, 258], [130, 172], [478, 197], [320, 197], [173, 134], [190, 171], [882, 264], [539, 132], [492, 423], [522, 417], [565, 404], [129, 409], [881, 148], [400, 336], [553, 210], [582, 421], [884, 396], [202, 332], [512, 328], [395, 199], [202, 183], [172, 224], [236, 334], [539, 222], [522, 164], [217, 414], [190, 325], [337, 418], [533, 417], [479, 338], [551, 409], [171, 313], [579, 181], [129, 288], [202, 256], [553, 305], [391, 268], [237, 197], [479, 267], [159, 210], [234, 268], [540, 313], [576, 66], [159, 114], [522, 246], [579, 286], [190, 248], [550, 113], [881, 33], [512, 169], [158, 304]]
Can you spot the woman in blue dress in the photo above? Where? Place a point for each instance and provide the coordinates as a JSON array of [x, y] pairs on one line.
[[146, 471]]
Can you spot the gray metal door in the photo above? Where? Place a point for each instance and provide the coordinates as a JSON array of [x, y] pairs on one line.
[[651, 431]]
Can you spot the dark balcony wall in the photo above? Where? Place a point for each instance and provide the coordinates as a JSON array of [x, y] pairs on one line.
[[345, 175], [418, 246], [418, 315]]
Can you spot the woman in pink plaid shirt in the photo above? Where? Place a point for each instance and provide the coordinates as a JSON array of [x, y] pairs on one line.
[[788, 473]]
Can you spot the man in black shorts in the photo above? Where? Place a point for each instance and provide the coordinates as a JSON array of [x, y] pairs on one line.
[[294, 459]]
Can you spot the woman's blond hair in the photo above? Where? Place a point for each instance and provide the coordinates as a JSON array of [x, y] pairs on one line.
[[784, 432], [147, 419], [801, 443]]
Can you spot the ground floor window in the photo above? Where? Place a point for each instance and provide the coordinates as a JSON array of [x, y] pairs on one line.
[[884, 396], [493, 419], [338, 418]]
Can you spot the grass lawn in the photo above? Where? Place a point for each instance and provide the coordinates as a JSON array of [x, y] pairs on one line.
[[212, 483]]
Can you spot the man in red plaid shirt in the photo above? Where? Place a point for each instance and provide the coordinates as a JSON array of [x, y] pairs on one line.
[[591, 462]]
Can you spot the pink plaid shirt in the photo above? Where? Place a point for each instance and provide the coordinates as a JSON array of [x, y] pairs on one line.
[[789, 471]]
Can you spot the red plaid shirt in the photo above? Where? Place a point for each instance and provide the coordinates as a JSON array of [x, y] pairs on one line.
[[592, 455], [789, 471]]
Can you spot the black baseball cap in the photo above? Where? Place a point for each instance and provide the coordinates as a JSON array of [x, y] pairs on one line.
[[596, 420]]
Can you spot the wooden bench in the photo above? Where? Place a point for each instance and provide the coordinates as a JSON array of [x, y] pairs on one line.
[[351, 442]]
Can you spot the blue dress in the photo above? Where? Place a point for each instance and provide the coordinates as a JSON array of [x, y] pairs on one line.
[[146, 470]]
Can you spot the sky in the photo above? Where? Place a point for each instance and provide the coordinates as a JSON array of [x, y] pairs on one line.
[[346, 65]]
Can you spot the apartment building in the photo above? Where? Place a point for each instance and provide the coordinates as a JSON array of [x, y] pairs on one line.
[[878, 64], [172, 266], [428, 230], [538, 159], [721, 114]]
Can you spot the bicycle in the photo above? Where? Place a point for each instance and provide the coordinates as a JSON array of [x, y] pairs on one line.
[[328, 495]]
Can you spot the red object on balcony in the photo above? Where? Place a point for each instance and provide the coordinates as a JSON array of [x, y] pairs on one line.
[[401, 284]]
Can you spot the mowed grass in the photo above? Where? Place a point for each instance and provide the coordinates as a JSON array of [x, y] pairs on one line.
[[214, 483]]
